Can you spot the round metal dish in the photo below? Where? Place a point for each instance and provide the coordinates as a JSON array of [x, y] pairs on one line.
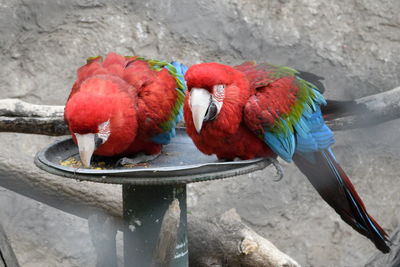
[[179, 163]]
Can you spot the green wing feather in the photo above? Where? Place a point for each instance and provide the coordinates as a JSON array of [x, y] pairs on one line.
[[263, 74], [307, 97]]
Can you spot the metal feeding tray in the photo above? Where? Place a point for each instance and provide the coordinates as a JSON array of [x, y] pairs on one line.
[[179, 163], [147, 191]]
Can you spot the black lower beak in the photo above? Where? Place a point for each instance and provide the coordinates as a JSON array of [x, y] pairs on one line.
[[97, 141], [211, 112]]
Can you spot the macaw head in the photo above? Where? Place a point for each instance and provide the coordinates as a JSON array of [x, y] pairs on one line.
[[101, 116], [216, 96]]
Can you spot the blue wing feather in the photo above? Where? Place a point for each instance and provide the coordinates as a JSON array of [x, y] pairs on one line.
[[309, 134], [283, 144], [319, 136]]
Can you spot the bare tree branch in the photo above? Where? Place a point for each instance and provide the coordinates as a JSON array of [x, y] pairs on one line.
[[53, 126], [21, 117], [17, 108], [227, 241], [368, 111]]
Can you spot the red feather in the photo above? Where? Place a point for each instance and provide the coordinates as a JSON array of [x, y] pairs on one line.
[[135, 98]]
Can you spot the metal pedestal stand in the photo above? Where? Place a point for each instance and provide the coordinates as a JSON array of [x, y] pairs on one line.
[[149, 190]]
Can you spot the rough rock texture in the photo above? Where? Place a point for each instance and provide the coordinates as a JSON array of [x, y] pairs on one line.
[[353, 44]]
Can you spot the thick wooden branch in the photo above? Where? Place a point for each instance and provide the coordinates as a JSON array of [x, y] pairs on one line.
[[369, 110], [227, 241], [17, 108], [53, 126], [21, 117]]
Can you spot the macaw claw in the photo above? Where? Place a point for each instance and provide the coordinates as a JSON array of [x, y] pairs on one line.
[[279, 170], [139, 158]]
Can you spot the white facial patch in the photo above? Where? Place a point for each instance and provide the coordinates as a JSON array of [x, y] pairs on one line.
[[219, 92], [104, 130], [218, 95]]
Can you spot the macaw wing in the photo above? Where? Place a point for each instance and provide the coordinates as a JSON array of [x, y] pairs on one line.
[[285, 112], [264, 74], [177, 70], [161, 92]]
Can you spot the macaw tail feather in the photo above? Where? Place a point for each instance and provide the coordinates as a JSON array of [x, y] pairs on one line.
[[332, 183]]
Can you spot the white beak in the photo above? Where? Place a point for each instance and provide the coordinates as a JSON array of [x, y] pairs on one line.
[[199, 103], [86, 147]]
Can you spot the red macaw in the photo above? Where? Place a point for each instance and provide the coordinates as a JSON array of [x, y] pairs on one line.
[[263, 110], [124, 105]]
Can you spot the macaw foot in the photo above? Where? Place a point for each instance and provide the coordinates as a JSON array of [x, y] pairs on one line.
[[139, 159], [279, 169]]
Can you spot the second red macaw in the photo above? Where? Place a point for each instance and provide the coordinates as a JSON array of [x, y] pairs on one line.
[[124, 105], [264, 110]]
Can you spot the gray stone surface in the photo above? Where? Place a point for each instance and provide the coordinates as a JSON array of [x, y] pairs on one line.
[[353, 44]]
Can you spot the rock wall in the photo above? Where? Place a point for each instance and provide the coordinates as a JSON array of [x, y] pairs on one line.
[[353, 44]]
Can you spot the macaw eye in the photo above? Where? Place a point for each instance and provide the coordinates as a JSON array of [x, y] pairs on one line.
[[219, 92]]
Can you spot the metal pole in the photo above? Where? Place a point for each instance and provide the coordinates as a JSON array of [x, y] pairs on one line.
[[143, 210]]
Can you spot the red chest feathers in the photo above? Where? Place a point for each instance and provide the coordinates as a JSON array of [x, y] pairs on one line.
[[242, 144]]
